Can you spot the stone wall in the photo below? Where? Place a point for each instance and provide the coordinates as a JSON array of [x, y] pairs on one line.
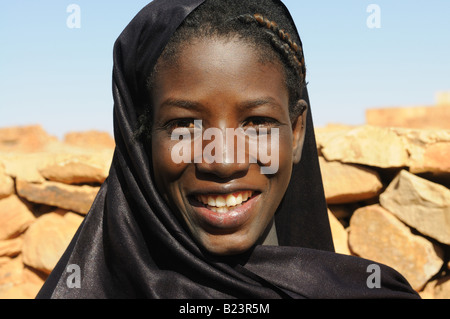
[[388, 195], [46, 188], [387, 191], [424, 117]]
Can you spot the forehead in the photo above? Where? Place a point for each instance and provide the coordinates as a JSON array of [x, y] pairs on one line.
[[219, 66]]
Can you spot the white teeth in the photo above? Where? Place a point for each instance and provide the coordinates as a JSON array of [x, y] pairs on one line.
[[239, 198], [210, 201], [222, 209], [220, 201], [231, 200], [223, 201]]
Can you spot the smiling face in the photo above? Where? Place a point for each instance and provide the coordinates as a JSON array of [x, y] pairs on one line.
[[227, 207]]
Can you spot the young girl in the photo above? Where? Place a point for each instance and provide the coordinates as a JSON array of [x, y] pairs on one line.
[[180, 216]]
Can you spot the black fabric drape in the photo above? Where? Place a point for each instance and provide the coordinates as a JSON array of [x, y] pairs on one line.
[[130, 245]]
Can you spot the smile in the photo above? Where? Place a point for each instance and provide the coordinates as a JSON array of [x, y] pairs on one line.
[[225, 202], [225, 211]]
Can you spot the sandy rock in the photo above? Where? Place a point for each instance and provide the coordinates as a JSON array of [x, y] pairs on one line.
[[24, 139], [90, 139], [442, 288], [77, 169], [340, 235], [328, 132], [11, 247], [34, 276], [419, 117], [429, 150], [24, 290], [347, 183], [366, 145], [437, 158], [437, 289], [25, 166], [421, 204], [434, 158], [11, 273], [67, 165], [343, 211], [18, 281], [422, 150], [6, 183], [46, 240], [75, 198], [15, 217], [378, 235], [4, 260]]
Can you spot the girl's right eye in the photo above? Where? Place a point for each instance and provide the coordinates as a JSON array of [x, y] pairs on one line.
[[184, 123]]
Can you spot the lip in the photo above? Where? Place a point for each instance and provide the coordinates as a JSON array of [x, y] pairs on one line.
[[226, 220], [222, 189]]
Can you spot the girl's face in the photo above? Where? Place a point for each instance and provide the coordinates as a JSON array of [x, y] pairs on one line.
[[227, 205]]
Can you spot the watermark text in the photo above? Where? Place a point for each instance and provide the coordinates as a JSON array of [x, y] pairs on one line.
[[73, 21], [251, 145]]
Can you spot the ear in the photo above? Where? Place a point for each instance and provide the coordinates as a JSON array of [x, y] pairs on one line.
[[298, 131]]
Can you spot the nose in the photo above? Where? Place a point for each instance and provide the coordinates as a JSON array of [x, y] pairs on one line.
[[224, 160], [223, 170]]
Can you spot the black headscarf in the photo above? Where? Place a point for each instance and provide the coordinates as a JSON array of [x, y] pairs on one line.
[[130, 244]]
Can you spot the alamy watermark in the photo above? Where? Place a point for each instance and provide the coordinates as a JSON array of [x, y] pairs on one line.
[[74, 279], [374, 19], [374, 279], [263, 146], [73, 21]]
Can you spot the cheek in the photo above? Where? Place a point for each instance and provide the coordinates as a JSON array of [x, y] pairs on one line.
[[165, 169], [285, 150], [285, 158]]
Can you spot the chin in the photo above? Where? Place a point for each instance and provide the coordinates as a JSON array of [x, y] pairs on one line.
[[227, 246]]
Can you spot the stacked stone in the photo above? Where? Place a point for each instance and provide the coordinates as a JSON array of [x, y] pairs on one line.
[[388, 194], [46, 188]]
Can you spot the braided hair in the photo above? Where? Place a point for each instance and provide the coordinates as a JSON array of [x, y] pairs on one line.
[[281, 40], [263, 24]]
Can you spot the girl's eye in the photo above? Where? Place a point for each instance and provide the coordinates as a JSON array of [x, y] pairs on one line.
[[260, 122], [259, 125], [181, 123]]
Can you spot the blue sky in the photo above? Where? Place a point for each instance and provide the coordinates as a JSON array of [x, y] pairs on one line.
[[60, 77]]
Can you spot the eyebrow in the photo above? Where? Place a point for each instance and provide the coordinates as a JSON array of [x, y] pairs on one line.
[[192, 105], [185, 104], [251, 104]]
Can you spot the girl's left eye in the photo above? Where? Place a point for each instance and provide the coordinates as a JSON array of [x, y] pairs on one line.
[[260, 121]]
